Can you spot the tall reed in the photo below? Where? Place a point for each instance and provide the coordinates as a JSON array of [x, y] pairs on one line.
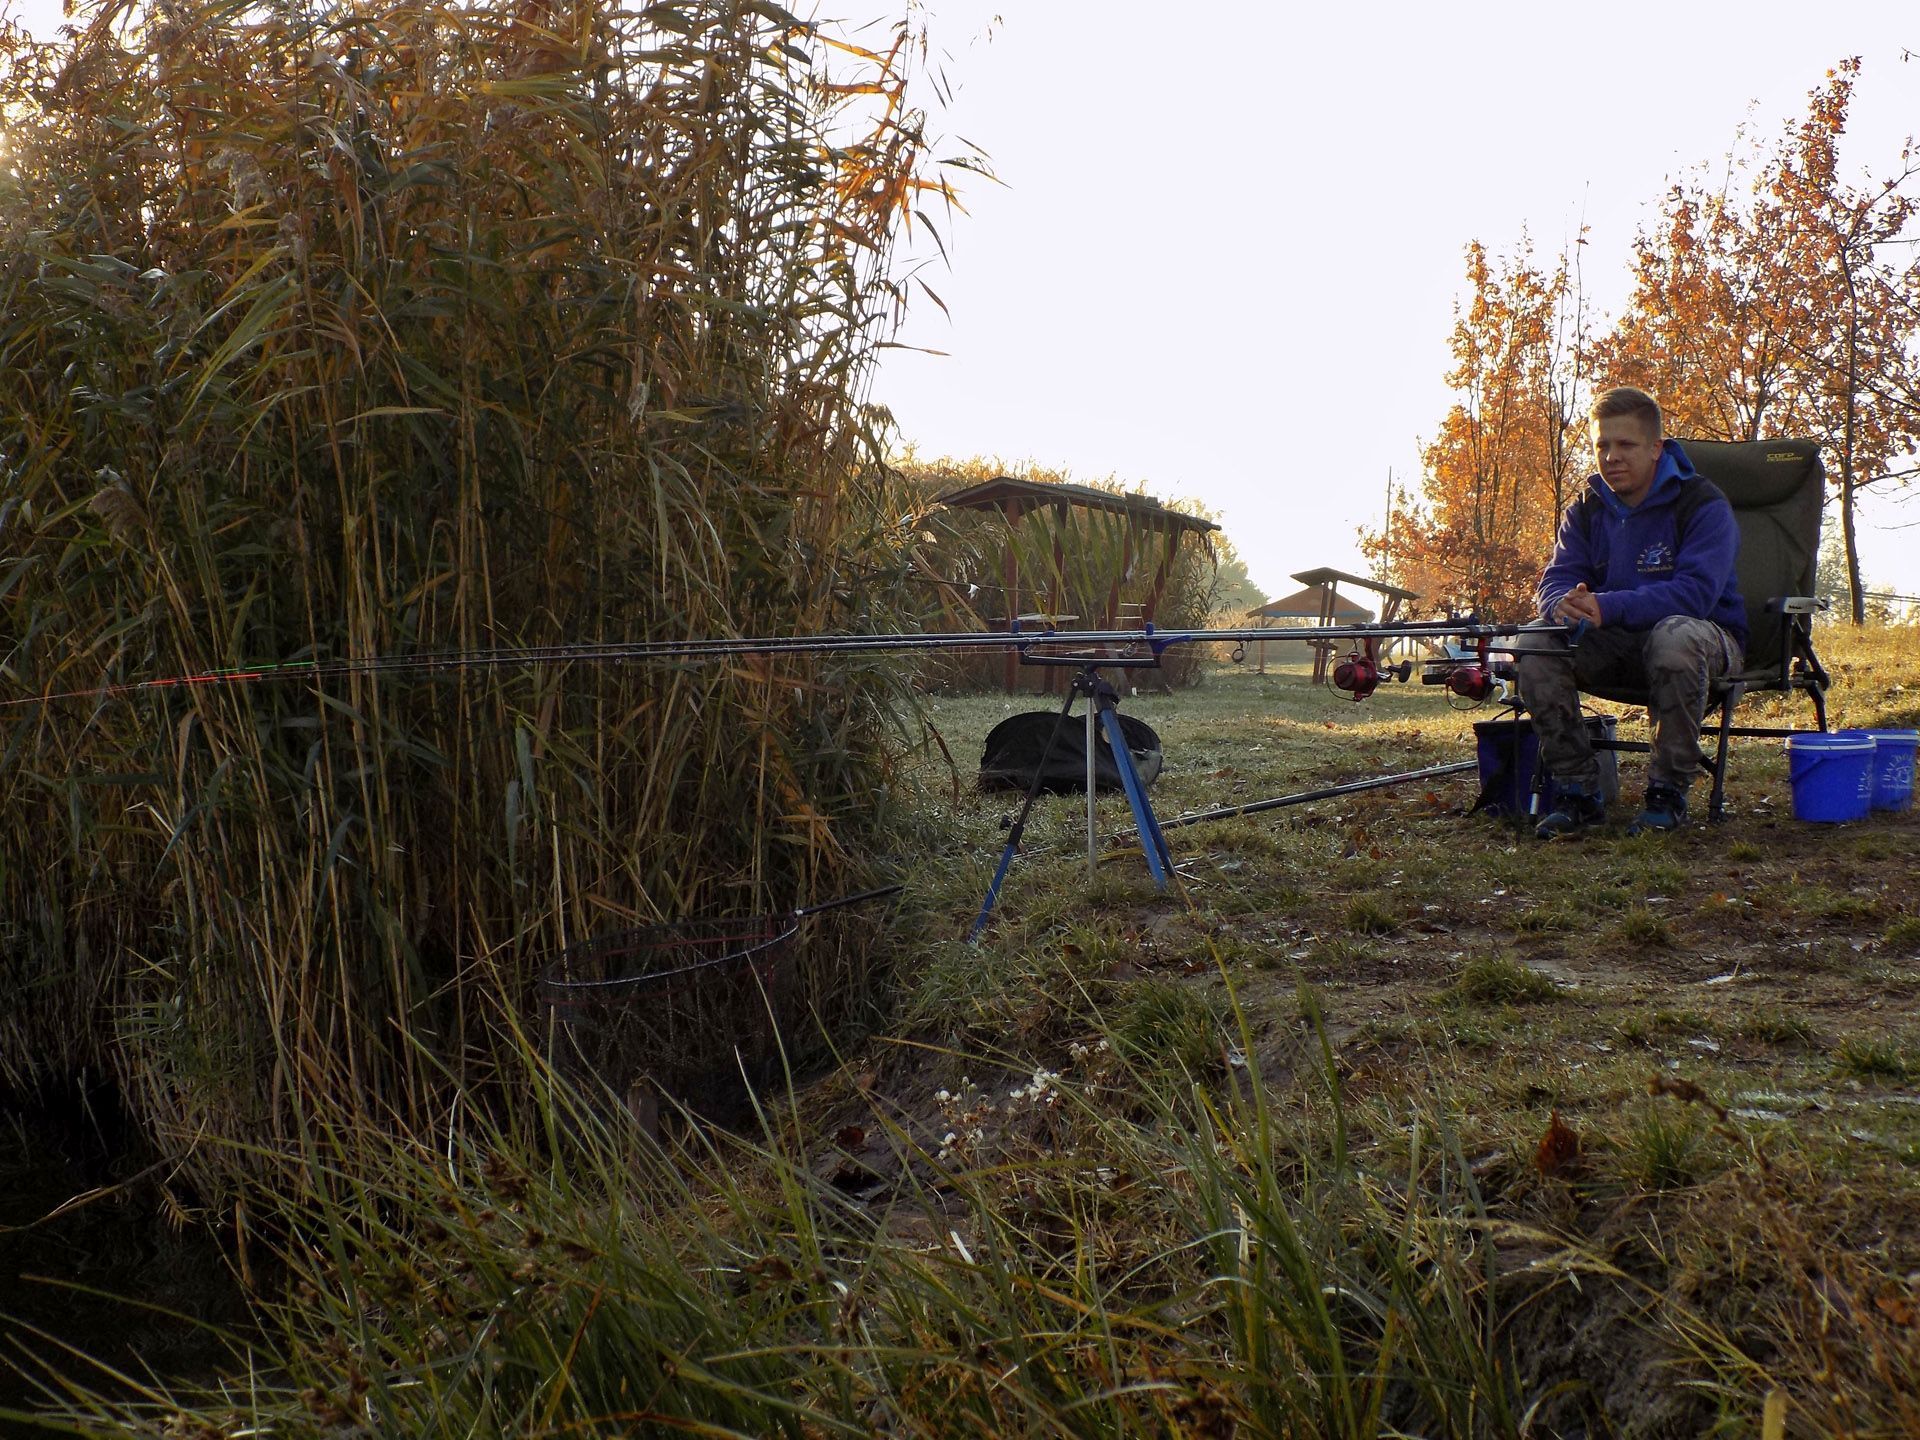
[[395, 328], [1103, 566]]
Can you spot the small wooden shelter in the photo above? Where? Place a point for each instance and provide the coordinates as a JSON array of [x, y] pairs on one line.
[[1149, 526], [1324, 580], [1308, 603]]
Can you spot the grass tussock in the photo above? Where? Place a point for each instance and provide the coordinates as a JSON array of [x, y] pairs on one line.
[[1779, 1027], [1545, 920], [1165, 1023], [1644, 928], [1502, 980], [1664, 1149], [1875, 1057], [1369, 915]]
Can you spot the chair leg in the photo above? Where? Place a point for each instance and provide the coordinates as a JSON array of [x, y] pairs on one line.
[[1717, 803]]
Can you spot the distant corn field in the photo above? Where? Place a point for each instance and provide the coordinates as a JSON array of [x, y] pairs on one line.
[[385, 329]]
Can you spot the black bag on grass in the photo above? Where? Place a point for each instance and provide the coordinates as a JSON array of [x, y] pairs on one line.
[[1015, 745]]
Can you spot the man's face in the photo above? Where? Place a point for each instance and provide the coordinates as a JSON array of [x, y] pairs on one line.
[[1628, 453]]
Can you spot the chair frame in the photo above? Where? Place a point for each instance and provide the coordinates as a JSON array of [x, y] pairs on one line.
[[1800, 669]]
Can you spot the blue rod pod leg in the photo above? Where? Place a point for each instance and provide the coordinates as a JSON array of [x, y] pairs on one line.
[[1152, 843], [1020, 823]]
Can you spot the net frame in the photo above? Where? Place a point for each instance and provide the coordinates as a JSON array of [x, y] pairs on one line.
[[687, 1009]]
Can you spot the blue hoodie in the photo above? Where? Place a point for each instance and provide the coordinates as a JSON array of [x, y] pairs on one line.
[[1640, 563]]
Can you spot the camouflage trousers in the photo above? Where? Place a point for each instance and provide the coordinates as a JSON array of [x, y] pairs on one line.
[[1671, 666]]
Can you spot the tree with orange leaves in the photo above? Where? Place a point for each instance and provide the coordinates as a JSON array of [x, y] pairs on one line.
[[1782, 310], [1500, 470]]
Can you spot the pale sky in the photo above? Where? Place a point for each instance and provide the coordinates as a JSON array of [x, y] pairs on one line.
[[1225, 256], [1225, 253]]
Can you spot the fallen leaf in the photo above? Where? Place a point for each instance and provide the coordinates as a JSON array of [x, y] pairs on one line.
[[1559, 1152], [1896, 1308]]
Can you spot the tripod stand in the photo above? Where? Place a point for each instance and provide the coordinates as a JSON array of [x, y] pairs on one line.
[[1103, 710]]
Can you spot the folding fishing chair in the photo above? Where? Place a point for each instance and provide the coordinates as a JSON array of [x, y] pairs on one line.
[[1776, 488]]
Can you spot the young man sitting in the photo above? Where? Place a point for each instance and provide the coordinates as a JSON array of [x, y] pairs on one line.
[[1644, 565]]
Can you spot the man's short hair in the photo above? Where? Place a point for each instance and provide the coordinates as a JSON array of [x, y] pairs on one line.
[[1627, 400]]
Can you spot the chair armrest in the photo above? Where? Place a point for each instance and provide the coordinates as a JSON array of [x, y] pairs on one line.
[[1797, 633], [1798, 630]]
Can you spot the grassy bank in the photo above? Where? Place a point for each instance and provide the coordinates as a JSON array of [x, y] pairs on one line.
[[1392, 1122]]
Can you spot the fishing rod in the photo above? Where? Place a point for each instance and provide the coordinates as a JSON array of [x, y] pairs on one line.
[[1048, 641]]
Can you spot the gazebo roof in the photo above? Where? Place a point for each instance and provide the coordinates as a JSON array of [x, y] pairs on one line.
[[1334, 577], [1004, 492], [1306, 605]]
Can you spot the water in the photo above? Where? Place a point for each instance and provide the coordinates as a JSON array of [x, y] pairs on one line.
[[96, 1276]]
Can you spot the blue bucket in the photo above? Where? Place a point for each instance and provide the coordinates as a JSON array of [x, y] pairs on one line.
[[1893, 768], [1832, 775]]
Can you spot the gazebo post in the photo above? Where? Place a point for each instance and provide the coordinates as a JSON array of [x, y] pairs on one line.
[[1056, 595], [1323, 649], [1109, 620], [1010, 578], [1160, 575]]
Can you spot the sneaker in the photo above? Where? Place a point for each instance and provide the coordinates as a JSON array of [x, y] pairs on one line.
[[1574, 810], [1666, 809]]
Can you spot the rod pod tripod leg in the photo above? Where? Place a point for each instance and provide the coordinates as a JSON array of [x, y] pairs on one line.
[[1153, 844], [1102, 703], [1019, 826]]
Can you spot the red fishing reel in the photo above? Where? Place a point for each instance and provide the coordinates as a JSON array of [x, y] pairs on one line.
[[1471, 677], [1474, 682], [1361, 672], [1358, 673]]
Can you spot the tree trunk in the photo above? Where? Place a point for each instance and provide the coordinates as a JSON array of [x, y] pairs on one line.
[[1855, 595]]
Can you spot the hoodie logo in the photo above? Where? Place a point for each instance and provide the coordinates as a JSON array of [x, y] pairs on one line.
[[1656, 558]]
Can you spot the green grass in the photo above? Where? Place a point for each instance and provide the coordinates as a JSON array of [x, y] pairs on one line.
[[1664, 1148], [1822, 902], [1546, 919], [1874, 1057], [1603, 898], [1644, 928], [1778, 1027], [1166, 1023], [1902, 935], [1343, 950], [1501, 980], [1654, 875], [1367, 915]]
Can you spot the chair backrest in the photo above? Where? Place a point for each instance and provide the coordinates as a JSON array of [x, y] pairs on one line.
[[1776, 488]]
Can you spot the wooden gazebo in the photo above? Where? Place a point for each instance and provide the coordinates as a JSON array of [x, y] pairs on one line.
[[1146, 519], [1308, 603], [1324, 580]]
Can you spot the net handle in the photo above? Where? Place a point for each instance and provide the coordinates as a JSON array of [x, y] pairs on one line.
[[885, 890]]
